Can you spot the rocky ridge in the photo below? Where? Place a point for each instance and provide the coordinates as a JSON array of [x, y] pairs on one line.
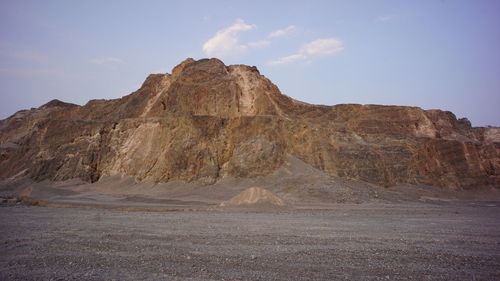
[[207, 121]]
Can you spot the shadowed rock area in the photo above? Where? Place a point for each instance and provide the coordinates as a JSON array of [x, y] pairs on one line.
[[207, 121]]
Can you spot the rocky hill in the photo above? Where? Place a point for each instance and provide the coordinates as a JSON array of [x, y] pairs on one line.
[[207, 121]]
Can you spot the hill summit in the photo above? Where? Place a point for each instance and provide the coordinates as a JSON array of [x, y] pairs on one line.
[[206, 121]]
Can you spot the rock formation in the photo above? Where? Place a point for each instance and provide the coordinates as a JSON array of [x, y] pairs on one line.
[[206, 121]]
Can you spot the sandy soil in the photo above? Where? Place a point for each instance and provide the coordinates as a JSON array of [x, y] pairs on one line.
[[330, 229], [372, 241]]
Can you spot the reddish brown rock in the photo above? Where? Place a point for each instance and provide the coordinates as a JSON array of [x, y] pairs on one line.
[[207, 121]]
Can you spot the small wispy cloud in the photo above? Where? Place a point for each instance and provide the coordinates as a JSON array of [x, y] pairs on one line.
[[322, 47], [386, 18], [105, 60], [260, 43], [282, 32], [273, 35], [288, 59], [25, 56], [316, 48], [225, 42], [30, 73]]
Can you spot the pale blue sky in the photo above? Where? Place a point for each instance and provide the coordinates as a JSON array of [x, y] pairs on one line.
[[431, 54]]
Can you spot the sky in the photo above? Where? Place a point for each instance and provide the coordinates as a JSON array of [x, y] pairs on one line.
[[428, 53]]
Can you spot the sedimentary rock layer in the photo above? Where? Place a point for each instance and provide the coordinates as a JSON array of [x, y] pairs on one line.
[[207, 120]]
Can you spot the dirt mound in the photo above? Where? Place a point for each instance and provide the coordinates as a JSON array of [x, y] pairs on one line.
[[26, 192], [254, 196]]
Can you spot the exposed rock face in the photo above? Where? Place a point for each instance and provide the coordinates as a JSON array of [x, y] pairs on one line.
[[206, 121]]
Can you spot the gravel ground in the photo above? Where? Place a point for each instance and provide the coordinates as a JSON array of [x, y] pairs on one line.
[[411, 241]]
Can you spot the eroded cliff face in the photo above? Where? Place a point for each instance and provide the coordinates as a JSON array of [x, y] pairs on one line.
[[206, 121]]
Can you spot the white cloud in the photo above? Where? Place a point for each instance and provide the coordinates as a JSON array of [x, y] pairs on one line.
[[316, 48], [282, 32], [105, 60], [322, 47], [260, 43], [226, 41], [386, 18], [287, 59]]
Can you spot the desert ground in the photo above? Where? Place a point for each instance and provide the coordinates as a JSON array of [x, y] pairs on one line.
[[440, 240], [328, 229]]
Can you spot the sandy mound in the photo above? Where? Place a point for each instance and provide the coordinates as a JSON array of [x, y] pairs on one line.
[[26, 192], [254, 196]]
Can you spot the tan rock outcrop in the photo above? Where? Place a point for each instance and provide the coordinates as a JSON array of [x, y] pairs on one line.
[[207, 121]]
